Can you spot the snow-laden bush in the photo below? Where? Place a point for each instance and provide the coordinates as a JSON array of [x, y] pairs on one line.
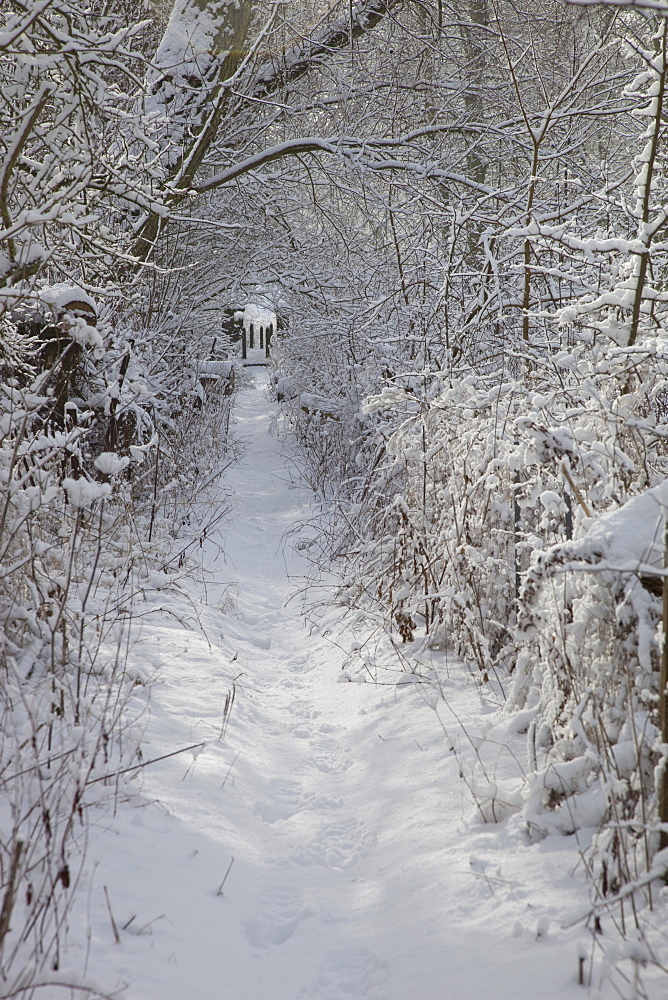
[[471, 500], [65, 601], [587, 674], [98, 464]]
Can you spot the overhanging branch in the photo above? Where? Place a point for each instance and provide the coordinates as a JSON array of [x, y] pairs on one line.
[[659, 6], [292, 147], [346, 147], [292, 64], [298, 60]]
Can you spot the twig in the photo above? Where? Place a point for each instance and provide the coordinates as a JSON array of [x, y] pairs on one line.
[[145, 763], [227, 710], [229, 869], [227, 773], [576, 492], [149, 923], [117, 936], [10, 891]]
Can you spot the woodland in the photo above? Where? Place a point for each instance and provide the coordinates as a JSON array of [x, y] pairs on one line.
[[459, 214]]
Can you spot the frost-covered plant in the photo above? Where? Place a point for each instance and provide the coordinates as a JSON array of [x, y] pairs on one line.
[[65, 600], [455, 525], [89, 443], [76, 151], [587, 675]]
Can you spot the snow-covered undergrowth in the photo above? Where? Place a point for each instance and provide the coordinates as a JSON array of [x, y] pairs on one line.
[[464, 512], [89, 518], [329, 838]]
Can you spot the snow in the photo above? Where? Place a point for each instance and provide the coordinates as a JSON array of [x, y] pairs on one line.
[[111, 464], [629, 539], [214, 367], [632, 534], [318, 840], [186, 45], [258, 315], [62, 294], [86, 335], [82, 492]]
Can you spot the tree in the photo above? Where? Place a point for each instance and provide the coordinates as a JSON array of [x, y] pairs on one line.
[[68, 170]]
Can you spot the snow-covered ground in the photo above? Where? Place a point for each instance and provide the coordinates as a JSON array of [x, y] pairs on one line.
[[322, 845]]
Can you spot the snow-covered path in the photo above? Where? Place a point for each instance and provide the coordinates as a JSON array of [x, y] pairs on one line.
[[352, 862]]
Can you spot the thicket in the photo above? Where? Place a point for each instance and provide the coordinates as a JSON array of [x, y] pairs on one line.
[[109, 431], [97, 514], [460, 209], [485, 428]]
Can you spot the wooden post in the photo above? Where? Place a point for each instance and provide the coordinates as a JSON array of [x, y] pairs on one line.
[[261, 337], [244, 344], [251, 331], [663, 702], [111, 437], [267, 340]]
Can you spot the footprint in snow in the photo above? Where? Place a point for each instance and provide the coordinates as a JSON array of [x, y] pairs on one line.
[[297, 664], [303, 709], [285, 799], [353, 974], [279, 916], [338, 845], [260, 641], [328, 762]]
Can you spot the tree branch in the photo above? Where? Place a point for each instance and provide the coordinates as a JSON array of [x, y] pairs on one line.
[[290, 66], [302, 57], [660, 6], [340, 147]]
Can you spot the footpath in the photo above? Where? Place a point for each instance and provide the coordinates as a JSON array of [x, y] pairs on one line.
[[322, 844]]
